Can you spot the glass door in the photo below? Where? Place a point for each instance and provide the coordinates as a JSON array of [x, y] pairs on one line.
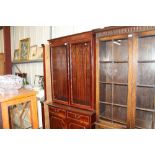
[[59, 58], [81, 74], [145, 88], [113, 80]]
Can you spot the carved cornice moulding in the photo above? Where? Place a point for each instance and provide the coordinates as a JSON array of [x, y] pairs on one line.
[[118, 30]]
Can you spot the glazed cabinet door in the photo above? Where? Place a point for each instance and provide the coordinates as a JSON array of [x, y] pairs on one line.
[[113, 80], [145, 86], [80, 62], [59, 57]]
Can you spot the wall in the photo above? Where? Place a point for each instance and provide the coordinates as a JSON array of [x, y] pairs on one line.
[[1, 41], [59, 31], [38, 36]]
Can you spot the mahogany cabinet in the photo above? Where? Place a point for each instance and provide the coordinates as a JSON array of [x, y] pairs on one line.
[[125, 77], [72, 81], [65, 117]]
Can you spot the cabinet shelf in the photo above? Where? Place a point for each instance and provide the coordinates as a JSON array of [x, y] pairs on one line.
[[146, 61], [114, 83], [29, 61], [114, 104], [112, 120], [145, 109], [114, 61], [148, 86]]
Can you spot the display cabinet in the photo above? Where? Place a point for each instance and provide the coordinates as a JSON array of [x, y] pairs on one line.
[[72, 80], [125, 77]]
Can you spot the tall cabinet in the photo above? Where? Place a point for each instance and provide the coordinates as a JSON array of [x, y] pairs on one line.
[[72, 82], [125, 83]]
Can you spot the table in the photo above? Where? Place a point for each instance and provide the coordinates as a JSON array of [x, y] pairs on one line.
[[24, 96]]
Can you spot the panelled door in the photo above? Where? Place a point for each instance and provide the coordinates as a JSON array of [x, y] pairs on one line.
[[60, 90], [80, 68]]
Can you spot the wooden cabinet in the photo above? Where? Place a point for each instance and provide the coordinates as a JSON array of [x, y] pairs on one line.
[[72, 70], [125, 77], [72, 80], [65, 117]]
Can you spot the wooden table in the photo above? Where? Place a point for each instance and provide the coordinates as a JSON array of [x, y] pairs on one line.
[[22, 97]]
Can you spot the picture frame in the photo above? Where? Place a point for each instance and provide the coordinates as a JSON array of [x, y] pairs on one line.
[[24, 48], [33, 53], [40, 53], [16, 55]]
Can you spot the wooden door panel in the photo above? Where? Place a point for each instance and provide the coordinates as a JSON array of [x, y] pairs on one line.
[[81, 74], [60, 73], [57, 122], [73, 125]]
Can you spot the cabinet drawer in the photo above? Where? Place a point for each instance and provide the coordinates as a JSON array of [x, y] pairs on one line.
[[79, 117], [57, 112]]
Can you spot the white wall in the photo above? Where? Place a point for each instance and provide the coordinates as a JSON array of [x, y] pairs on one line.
[[38, 36], [59, 31], [1, 41]]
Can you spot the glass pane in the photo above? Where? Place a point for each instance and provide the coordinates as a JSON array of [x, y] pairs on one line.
[[20, 116], [81, 73], [144, 119], [120, 50], [114, 79], [146, 97], [146, 47], [106, 93], [105, 50], [59, 60], [120, 94], [120, 72], [119, 114], [105, 111], [146, 73], [106, 72]]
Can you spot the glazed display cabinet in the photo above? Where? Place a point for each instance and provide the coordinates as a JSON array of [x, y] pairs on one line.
[[72, 81], [125, 83]]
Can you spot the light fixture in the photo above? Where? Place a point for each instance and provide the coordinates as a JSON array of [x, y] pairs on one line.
[[117, 43]]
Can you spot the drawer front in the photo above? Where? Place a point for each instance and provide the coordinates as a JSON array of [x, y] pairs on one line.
[[78, 117], [57, 112]]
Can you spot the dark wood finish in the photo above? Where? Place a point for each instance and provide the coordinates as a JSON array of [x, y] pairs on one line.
[[7, 49], [72, 64], [131, 103], [63, 116], [80, 73], [72, 78], [59, 56], [43, 115]]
